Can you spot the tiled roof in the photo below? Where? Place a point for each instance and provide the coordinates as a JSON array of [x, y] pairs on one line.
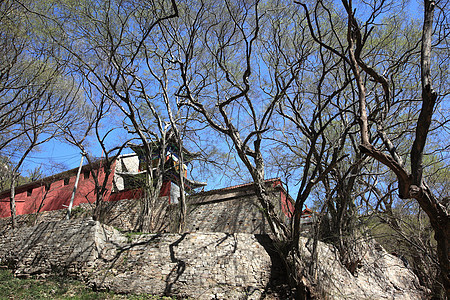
[[248, 184], [241, 186]]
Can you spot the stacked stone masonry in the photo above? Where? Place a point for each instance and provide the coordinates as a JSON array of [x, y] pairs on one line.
[[229, 216], [229, 211], [192, 265], [200, 266]]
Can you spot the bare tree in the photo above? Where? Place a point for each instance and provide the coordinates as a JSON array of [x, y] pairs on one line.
[[95, 113], [35, 96], [245, 70], [220, 52], [410, 185], [124, 65], [37, 128]]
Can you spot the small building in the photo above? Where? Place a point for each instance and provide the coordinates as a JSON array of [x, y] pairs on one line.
[[133, 169], [308, 216]]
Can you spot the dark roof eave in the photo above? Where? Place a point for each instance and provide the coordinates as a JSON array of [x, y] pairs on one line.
[[243, 186]]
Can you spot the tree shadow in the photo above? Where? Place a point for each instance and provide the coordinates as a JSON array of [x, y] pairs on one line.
[[41, 250], [278, 285], [177, 270]]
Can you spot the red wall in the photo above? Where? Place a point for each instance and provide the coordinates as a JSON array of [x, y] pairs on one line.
[[58, 196], [286, 205]]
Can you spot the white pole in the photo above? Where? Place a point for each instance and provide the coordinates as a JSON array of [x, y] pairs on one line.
[[69, 209]]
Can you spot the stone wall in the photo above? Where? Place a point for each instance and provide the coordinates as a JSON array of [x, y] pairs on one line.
[[81, 211], [68, 247], [231, 210], [122, 215], [228, 210], [234, 215], [200, 266], [193, 265]]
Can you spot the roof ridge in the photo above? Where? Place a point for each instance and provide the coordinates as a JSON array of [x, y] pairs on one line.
[[239, 186]]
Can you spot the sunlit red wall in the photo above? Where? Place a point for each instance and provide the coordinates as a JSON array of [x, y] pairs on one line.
[[58, 195], [286, 206]]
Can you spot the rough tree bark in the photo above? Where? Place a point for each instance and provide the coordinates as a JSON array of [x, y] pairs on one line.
[[411, 185]]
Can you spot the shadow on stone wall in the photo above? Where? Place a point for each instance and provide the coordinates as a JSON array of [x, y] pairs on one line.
[[278, 282], [42, 250], [232, 216], [177, 270], [195, 265]]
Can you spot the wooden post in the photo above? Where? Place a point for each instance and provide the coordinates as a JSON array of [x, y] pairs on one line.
[[69, 209]]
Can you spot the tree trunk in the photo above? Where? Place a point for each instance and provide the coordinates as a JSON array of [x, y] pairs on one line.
[[12, 202], [438, 214], [442, 236], [99, 210], [182, 203], [182, 200], [440, 222]]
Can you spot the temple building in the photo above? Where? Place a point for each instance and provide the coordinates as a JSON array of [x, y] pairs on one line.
[[231, 209], [124, 182]]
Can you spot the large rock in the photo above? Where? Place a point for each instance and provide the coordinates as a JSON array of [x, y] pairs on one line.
[[379, 275]]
